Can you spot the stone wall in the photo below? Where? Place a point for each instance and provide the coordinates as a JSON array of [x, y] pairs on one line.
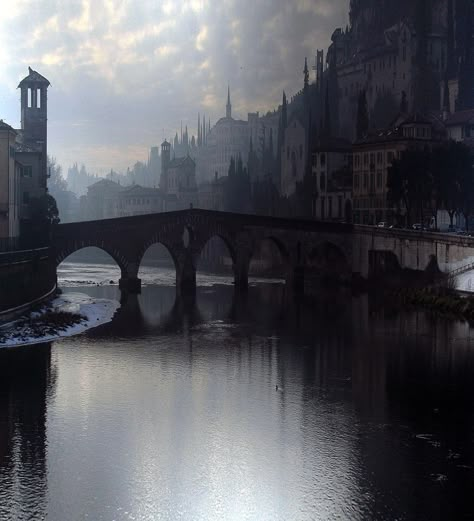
[[25, 276]]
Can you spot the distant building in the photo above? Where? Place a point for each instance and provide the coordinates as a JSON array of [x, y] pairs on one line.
[[139, 200], [101, 201], [211, 194], [9, 187], [395, 51], [373, 156], [460, 126], [178, 178], [332, 175], [293, 155], [68, 206], [228, 138]]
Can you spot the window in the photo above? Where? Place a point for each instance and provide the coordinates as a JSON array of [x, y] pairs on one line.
[[366, 179], [389, 157], [379, 158], [379, 179], [366, 159], [339, 206], [323, 159], [372, 182], [29, 96], [26, 197], [38, 98], [323, 207], [27, 171], [356, 181], [330, 206], [322, 181]]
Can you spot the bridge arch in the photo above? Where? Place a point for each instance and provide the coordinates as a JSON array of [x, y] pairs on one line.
[[214, 246], [327, 261], [267, 245], [155, 241], [115, 254]]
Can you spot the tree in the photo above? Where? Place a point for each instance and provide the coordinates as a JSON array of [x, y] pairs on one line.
[[44, 210], [453, 178], [410, 183], [56, 182], [237, 189]]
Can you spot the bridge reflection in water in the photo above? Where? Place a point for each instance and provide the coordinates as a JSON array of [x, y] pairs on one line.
[[172, 407]]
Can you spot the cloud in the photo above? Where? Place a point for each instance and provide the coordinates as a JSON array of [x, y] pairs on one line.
[[131, 70]]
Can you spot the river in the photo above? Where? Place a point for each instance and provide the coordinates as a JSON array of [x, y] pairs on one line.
[[224, 407]]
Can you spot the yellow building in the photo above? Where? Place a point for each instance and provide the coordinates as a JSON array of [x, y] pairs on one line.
[[9, 186], [373, 156]]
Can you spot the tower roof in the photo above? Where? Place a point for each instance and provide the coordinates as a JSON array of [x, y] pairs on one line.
[[165, 143], [33, 77]]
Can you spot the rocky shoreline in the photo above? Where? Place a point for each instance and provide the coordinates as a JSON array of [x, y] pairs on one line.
[[66, 315]]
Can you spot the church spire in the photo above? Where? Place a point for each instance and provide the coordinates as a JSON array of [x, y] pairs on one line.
[[306, 73], [228, 112], [199, 130]]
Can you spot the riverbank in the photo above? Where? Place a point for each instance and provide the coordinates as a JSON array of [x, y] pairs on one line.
[[68, 315], [443, 301]]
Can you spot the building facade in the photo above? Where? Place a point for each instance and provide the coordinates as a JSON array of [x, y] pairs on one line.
[[31, 147], [139, 200], [373, 156], [9, 186], [293, 155], [332, 178]]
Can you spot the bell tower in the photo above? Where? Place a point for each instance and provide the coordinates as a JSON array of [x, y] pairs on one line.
[[34, 116], [165, 161], [34, 108]]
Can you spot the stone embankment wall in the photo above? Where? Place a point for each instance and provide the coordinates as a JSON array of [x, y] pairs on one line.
[[26, 277], [377, 250]]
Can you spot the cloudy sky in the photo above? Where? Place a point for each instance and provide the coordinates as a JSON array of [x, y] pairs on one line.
[[124, 73]]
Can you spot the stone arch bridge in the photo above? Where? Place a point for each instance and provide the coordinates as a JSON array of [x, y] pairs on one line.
[[308, 248], [303, 245]]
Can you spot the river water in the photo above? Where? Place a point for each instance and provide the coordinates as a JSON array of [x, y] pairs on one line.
[[239, 408]]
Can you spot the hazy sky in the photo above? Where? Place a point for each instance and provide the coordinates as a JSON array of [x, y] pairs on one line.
[[125, 73]]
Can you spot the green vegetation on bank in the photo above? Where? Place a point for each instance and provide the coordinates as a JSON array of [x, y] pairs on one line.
[[442, 300]]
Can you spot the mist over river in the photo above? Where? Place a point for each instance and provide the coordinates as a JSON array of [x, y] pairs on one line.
[[239, 407]]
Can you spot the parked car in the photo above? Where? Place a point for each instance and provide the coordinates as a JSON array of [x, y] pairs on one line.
[[382, 225], [417, 226]]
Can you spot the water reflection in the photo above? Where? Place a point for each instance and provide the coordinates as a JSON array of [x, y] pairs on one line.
[[231, 406], [26, 378]]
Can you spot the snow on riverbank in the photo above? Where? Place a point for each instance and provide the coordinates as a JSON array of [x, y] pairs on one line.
[[68, 315]]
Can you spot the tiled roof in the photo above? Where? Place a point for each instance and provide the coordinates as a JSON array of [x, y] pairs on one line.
[[33, 76], [23, 147], [6, 126], [458, 118], [179, 161], [138, 190], [104, 183]]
